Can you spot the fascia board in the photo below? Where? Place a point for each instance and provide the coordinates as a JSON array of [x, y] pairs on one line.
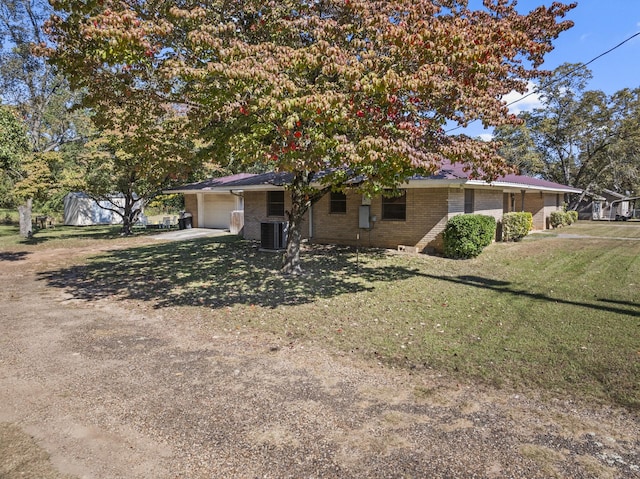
[[496, 184]]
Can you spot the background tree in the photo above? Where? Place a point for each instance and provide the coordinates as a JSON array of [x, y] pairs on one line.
[[356, 89], [40, 95], [145, 150], [519, 149], [14, 147], [578, 137], [43, 101]]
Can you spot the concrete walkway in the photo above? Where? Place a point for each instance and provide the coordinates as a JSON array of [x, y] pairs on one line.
[[188, 234]]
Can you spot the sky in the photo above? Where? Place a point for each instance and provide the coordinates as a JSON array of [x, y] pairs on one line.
[[599, 25]]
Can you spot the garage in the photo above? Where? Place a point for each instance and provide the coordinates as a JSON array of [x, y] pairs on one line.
[[218, 208], [212, 201]]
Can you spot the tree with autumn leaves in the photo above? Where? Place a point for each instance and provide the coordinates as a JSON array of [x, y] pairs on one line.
[[360, 90], [144, 147]]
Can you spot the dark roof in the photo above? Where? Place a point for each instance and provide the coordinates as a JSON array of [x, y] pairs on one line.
[[236, 181], [448, 172], [456, 171]]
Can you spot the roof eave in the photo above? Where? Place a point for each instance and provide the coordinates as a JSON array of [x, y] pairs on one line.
[[434, 183], [227, 189], [412, 183], [548, 189]]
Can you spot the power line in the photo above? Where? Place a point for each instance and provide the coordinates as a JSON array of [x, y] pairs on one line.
[[570, 72], [579, 67]]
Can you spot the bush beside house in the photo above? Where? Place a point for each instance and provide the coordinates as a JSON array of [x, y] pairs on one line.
[[562, 218], [465, 236], [516, 225]]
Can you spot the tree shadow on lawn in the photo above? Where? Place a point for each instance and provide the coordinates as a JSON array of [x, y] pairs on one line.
[[61, 233], [502, 287], [219, 272], [13, 256]]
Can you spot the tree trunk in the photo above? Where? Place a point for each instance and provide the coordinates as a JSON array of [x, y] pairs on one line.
[[24, 212], [292, 255], [129, 215], [126, 223], [299, 206]]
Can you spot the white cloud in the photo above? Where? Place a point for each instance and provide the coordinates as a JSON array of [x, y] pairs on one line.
[[486, 136], [526, 102]]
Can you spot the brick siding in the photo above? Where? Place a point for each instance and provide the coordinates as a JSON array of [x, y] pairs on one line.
[[540, 207], [428, 210], [255, 212]]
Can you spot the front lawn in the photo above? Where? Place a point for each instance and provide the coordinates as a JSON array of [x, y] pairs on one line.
[[61, 236], [560, 315]]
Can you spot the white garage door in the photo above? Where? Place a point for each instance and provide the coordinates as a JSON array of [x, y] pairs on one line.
[[217, 210]]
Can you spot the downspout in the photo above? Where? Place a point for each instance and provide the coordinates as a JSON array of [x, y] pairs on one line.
[[522, 193], [238, 195]]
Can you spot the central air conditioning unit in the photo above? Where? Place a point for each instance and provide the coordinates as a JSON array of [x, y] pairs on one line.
[[273, 236]]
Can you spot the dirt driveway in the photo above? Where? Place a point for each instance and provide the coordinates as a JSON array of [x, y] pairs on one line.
[[107, 389]]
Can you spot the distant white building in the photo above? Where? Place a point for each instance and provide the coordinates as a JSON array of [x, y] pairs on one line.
[[82, 210]]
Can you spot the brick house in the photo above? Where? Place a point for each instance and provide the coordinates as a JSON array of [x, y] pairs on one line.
[[413, 221]]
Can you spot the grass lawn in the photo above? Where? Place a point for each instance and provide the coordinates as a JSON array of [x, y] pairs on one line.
[[62, 236], [559, 315]]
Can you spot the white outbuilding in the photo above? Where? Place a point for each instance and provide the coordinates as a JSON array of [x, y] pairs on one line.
[[82, 210]]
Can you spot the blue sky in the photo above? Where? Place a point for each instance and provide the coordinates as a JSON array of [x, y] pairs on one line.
[[599, 26]]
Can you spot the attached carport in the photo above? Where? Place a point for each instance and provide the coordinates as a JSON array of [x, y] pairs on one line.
[[215, 203], [217, 209]]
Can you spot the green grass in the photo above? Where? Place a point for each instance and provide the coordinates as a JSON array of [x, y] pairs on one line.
[[60, 236], [617, 229], [11, 214], [559, 315], [8, 215]]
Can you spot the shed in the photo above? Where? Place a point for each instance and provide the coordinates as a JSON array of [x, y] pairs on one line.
[[82, 210]]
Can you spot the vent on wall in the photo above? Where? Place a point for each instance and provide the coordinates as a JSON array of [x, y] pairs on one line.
[[273, 235]]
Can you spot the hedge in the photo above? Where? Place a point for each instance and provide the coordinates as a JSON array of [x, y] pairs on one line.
[[516, 225], [562, 218], [465, 236]]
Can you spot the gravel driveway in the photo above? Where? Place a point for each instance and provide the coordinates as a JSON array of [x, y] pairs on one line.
[[110, 389]]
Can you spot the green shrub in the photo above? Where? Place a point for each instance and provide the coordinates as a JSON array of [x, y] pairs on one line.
[[465, 236], [516, 225], [558, 219], [563, 218]]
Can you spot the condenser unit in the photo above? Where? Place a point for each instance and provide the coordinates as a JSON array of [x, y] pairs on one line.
[[273, 235]]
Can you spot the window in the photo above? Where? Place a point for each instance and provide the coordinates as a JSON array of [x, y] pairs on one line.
[[468, 201], [394, 207], [275, 203], [337, 202]]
